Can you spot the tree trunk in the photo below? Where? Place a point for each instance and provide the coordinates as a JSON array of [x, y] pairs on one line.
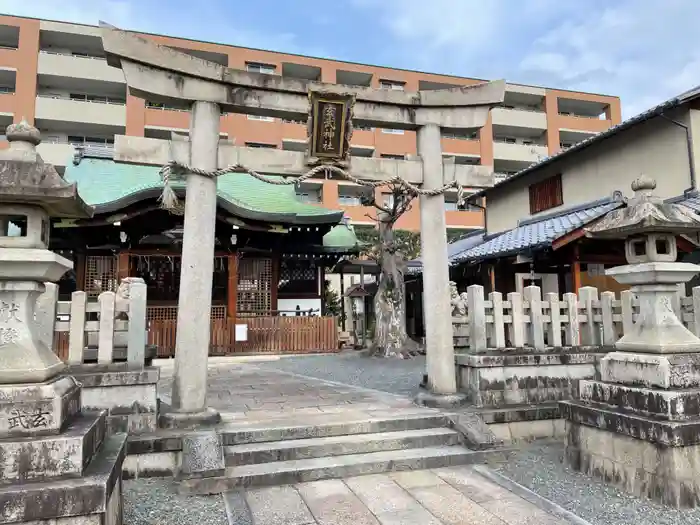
[[390, 337]]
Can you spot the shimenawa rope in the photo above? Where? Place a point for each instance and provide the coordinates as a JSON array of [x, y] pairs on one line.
[[177, 171]]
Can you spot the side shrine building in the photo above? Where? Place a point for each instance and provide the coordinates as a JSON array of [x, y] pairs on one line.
[[272, 252]]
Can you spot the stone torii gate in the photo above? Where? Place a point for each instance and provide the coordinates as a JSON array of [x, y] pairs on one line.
[[160, 73]]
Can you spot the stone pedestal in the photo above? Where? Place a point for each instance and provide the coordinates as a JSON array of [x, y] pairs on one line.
[[640, 426]]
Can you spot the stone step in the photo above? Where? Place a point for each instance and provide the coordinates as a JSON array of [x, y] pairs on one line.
[[302, 470], [263, 431], [252, 453]]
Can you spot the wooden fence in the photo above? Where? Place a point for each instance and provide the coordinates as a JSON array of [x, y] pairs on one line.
[[266, 335], [528, 320]]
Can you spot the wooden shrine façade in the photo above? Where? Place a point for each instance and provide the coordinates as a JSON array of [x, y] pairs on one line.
[[272, 252]]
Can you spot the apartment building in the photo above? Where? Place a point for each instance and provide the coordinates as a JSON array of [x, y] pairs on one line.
[[54, 74]]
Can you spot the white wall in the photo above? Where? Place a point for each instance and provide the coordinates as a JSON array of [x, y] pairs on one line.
[[656, 148], [304, 304]]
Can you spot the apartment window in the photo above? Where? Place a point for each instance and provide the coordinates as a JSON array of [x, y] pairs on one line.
[[451, 206], [82, 140], [7, 89], [100, 99], [391, 85], [349, 200], [360, 127], [565, 145], [313, 197], [261, 145], [392, 156], [85, 54], [9, 36], [546, 194], [509, 140], [460, 136], [392, 131], [388, 200], [255, 67], [261, 118], [293, 121], [165, 107]]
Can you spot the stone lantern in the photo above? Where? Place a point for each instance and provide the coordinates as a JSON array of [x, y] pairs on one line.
[[649, 228], [30, 192], [639, 426], [45, 437]]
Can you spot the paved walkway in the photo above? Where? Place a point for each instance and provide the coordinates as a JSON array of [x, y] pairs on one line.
[[248, 392], [448, 496], [251, 391]]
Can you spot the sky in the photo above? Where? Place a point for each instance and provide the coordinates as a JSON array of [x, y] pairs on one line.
[[644, 51]]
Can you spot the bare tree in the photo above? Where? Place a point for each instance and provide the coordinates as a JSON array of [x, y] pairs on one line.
[[390, 337]]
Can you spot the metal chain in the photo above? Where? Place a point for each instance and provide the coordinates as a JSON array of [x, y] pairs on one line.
[[178, 170]]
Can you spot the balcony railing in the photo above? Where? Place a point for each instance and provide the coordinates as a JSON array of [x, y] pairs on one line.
[[602, 116], [76, 55], [93, 101]]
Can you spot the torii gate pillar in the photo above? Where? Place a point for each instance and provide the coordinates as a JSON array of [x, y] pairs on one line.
[[437, 313], [160, 73]]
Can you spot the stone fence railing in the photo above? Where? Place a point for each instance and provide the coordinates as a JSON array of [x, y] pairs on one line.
[[113, 325], [528, 320]]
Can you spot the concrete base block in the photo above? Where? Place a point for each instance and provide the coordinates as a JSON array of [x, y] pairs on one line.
[[128, 394], [189, 420], [672, 405], [429, 399], [94, 498], [202, 455], [526, 431], [668, 475], [152, 465], [509, 378], [675, 371], [39, 408], [41, 458]]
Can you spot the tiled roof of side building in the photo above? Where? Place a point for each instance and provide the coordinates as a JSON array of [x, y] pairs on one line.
[[538, 232], [109, 186], [656, 111]]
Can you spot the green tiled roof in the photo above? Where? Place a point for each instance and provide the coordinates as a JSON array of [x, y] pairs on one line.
[[110, 186], [341, 238]]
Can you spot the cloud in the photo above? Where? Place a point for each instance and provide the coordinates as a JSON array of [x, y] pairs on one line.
[[208, 20], [644, 51]]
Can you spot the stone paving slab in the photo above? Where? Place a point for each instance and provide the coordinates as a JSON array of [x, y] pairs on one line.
[[243, 391], [421, 497], [445, 496]]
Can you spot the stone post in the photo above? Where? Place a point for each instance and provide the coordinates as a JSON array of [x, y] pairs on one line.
[[194, 304], [436, 288]]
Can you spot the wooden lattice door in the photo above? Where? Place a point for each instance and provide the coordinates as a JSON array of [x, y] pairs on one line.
[[254, 296]]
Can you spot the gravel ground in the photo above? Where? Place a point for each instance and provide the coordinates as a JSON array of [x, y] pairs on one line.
[[542, 470], [397, 376], [156, 502]]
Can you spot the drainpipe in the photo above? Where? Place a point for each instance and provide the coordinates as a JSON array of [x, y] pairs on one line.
[[689, 146]]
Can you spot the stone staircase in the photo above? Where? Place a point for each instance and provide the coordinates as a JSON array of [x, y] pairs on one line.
[[284, 452]]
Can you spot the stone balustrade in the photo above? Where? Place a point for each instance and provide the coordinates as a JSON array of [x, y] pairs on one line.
[[107, 351], [528, 321]]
